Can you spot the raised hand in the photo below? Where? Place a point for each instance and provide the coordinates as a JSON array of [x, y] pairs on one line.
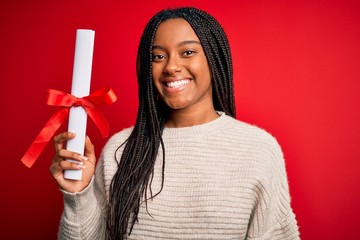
[[85, 163]]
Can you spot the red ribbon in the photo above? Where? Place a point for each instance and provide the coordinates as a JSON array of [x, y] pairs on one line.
[[103, 96]]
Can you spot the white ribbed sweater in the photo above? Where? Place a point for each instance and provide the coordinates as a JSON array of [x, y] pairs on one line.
[[223, 180]]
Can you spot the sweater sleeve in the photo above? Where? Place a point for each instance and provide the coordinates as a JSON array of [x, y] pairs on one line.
[[272, 216], [84, 212]]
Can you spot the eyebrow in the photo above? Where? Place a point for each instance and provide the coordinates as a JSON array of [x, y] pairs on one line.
[[183, 43]]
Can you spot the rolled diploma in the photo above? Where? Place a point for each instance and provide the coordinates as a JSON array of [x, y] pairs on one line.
[[80, 87]]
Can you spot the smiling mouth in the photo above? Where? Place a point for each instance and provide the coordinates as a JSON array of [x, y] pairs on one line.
[[177, 84]]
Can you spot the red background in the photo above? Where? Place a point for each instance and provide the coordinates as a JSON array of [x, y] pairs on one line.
[[296, 71]]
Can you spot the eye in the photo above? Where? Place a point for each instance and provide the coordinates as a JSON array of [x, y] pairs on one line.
[[188, 53], [157, 57]]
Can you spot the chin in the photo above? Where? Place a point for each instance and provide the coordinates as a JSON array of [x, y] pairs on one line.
[[177, 106]]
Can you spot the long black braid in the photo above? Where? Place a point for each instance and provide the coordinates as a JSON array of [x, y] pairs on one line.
[[136, 166]]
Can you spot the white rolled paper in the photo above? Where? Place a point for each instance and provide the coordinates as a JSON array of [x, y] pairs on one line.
[[80, 87]]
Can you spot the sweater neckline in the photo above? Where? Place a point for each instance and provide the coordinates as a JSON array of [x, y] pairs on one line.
[[197, 130]]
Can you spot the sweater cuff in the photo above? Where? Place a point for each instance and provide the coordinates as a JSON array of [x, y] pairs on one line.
[[76, 205]]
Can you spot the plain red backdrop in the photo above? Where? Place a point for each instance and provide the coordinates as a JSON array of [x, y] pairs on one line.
[[296, 72]]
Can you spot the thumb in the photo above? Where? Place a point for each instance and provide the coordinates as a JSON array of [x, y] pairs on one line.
[[89, 149]]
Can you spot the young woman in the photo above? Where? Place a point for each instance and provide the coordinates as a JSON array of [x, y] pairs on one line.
[[187, 169]]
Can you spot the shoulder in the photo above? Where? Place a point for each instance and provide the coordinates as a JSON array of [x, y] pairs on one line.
[[114, 146], [259, 146], [250, 134], [117, 139]]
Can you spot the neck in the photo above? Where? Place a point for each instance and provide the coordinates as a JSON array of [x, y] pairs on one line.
[[184, 118]]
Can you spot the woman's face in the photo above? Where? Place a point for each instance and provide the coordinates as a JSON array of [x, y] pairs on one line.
[[180, 70]]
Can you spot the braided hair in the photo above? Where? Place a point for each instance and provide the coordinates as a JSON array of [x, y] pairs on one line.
[[136, 167]]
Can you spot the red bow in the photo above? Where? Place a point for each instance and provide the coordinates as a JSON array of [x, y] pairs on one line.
[[103, 96]]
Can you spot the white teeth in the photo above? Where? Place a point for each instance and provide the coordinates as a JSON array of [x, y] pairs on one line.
[[177, 84]]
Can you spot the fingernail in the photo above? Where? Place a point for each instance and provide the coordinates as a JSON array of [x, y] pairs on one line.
[[81, 166], [83, 158]]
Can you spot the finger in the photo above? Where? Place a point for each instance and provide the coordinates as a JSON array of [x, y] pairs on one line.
[[57, 168], [60, 139], [66, 154], [67, 165], [57, 159], [89, 150]]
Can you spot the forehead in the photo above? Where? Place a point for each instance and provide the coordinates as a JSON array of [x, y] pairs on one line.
[[174, 30]]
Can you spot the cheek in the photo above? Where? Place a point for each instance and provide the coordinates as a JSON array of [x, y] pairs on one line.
[[156, 82], [201, 71], [155, 74], [200, 68]]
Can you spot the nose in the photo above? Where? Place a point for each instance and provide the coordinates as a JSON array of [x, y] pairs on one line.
[[172, 66]]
